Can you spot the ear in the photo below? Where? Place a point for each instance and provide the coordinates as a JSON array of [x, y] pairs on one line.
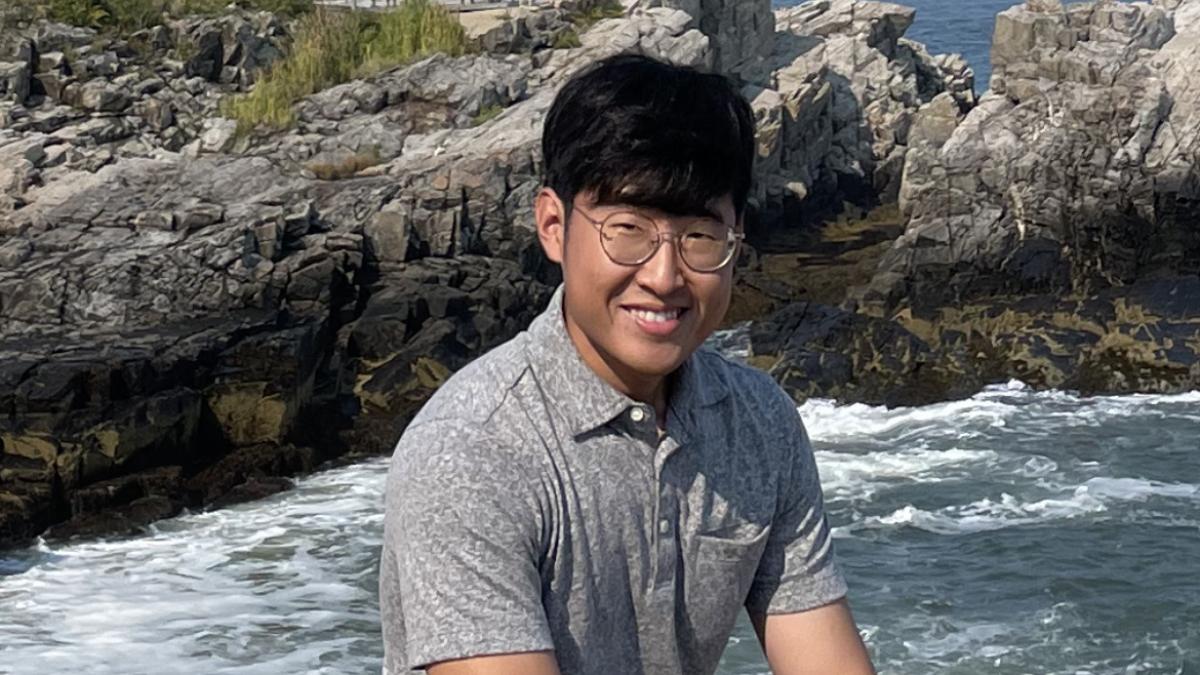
[[551, 219], [739, 227]]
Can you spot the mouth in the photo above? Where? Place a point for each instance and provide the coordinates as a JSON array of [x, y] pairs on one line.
[[657, 322], [656, 316]]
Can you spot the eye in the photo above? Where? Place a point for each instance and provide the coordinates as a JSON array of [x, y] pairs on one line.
[[627, 225], [707, 231]]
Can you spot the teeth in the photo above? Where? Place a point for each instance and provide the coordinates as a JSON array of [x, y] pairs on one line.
[[656, 317]]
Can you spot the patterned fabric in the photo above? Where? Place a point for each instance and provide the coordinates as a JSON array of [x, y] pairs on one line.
[[531, 506]]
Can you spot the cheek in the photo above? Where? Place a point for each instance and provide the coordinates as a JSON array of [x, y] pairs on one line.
[[715, 292], [716, 298]]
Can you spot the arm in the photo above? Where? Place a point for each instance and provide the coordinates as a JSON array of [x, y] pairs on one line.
[[460, 588], [820, 641], [529, 663], [797, 602]]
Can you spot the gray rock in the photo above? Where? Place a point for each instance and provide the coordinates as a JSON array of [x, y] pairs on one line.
[[848, 86], [14, 252], [218, 135], [1080, 172], [880, 24], [15, 81], [100, 96], [136, 249], [740, 33]]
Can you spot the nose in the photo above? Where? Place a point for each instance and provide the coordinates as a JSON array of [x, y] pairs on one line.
[[663, 272]]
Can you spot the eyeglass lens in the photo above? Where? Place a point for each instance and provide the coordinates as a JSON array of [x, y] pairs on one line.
[[631, 239]]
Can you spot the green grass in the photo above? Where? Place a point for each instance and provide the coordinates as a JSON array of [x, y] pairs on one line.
[[127, 16], [487, 114], [325, 51], [416, 28], [609, 9], [568, 39], [583, 20], [331, 47]]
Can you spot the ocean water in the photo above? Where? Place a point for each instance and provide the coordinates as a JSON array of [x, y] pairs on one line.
[[955, 27], [1014, 532]]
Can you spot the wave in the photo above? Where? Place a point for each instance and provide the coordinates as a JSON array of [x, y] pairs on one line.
[[1094, 496], [860, 476], [995, 406], [273, 586]]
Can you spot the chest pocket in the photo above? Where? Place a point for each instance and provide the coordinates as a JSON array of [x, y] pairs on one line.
[[716, 583], [739, 545]]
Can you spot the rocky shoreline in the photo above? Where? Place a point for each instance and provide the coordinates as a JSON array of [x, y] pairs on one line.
[[188, 315]]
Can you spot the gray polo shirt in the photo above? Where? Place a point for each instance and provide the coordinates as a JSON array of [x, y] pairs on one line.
[[531, 506]]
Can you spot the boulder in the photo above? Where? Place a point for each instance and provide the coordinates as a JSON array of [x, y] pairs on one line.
[[815, 350], [740, 32], [1144, 338], [1079, 171]]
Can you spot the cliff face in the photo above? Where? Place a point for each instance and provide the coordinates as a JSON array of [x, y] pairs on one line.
[[1078, 171], [835, 96], [1052, 235]]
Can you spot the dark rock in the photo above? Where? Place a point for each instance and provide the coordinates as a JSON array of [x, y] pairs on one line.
[[815, 350], [226, 481], [130, 519]]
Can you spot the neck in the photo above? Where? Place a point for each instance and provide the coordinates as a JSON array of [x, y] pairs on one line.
[[649, 389]]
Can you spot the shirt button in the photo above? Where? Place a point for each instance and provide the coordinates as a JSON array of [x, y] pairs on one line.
[[637, 415], [664, 526]]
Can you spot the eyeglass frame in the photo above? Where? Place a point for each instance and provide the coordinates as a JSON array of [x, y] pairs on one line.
[[734, 236]]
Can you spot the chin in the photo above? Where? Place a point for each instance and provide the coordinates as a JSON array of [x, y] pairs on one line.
[[656, 362]]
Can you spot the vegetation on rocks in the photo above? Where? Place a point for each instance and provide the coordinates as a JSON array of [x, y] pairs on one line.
[[333, 46], [487, 114], [585, 19], [582, 20], [416, 28], [345, 168], [125, 16]]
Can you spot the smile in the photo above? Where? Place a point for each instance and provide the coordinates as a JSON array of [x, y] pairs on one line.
[[655, 317]]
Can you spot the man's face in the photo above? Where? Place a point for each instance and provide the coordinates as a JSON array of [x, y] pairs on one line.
[[639, 322]]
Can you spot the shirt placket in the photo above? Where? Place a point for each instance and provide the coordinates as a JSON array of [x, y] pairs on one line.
[[667, 528], [665, 523]]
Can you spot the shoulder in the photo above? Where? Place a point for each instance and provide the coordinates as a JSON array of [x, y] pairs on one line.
[[755, 415], [750, 391], [474, 393], [455, 433], [461, 466]]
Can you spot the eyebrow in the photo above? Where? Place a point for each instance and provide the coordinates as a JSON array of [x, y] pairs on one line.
[[704, 212]]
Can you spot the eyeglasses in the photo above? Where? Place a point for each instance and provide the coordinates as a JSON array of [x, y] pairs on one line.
[[629, 238]]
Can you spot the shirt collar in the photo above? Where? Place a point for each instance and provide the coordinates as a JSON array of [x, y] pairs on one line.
[[586, 399]]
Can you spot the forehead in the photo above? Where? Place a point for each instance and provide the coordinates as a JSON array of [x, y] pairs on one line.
[[721, 209]]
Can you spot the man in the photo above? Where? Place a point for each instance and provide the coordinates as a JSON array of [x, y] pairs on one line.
[[598, 496]]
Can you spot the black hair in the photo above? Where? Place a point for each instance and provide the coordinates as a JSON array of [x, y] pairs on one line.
[[638, 131]]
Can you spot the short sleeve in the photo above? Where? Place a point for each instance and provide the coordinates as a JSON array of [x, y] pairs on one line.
[[797, 571], [460, 564]]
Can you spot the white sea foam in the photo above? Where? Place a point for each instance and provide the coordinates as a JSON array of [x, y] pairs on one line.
[[1094, 496], [982, 515], [858, 476], [830, 422], [978, 639], [995, 406], [1137, 489], [283, 585]]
